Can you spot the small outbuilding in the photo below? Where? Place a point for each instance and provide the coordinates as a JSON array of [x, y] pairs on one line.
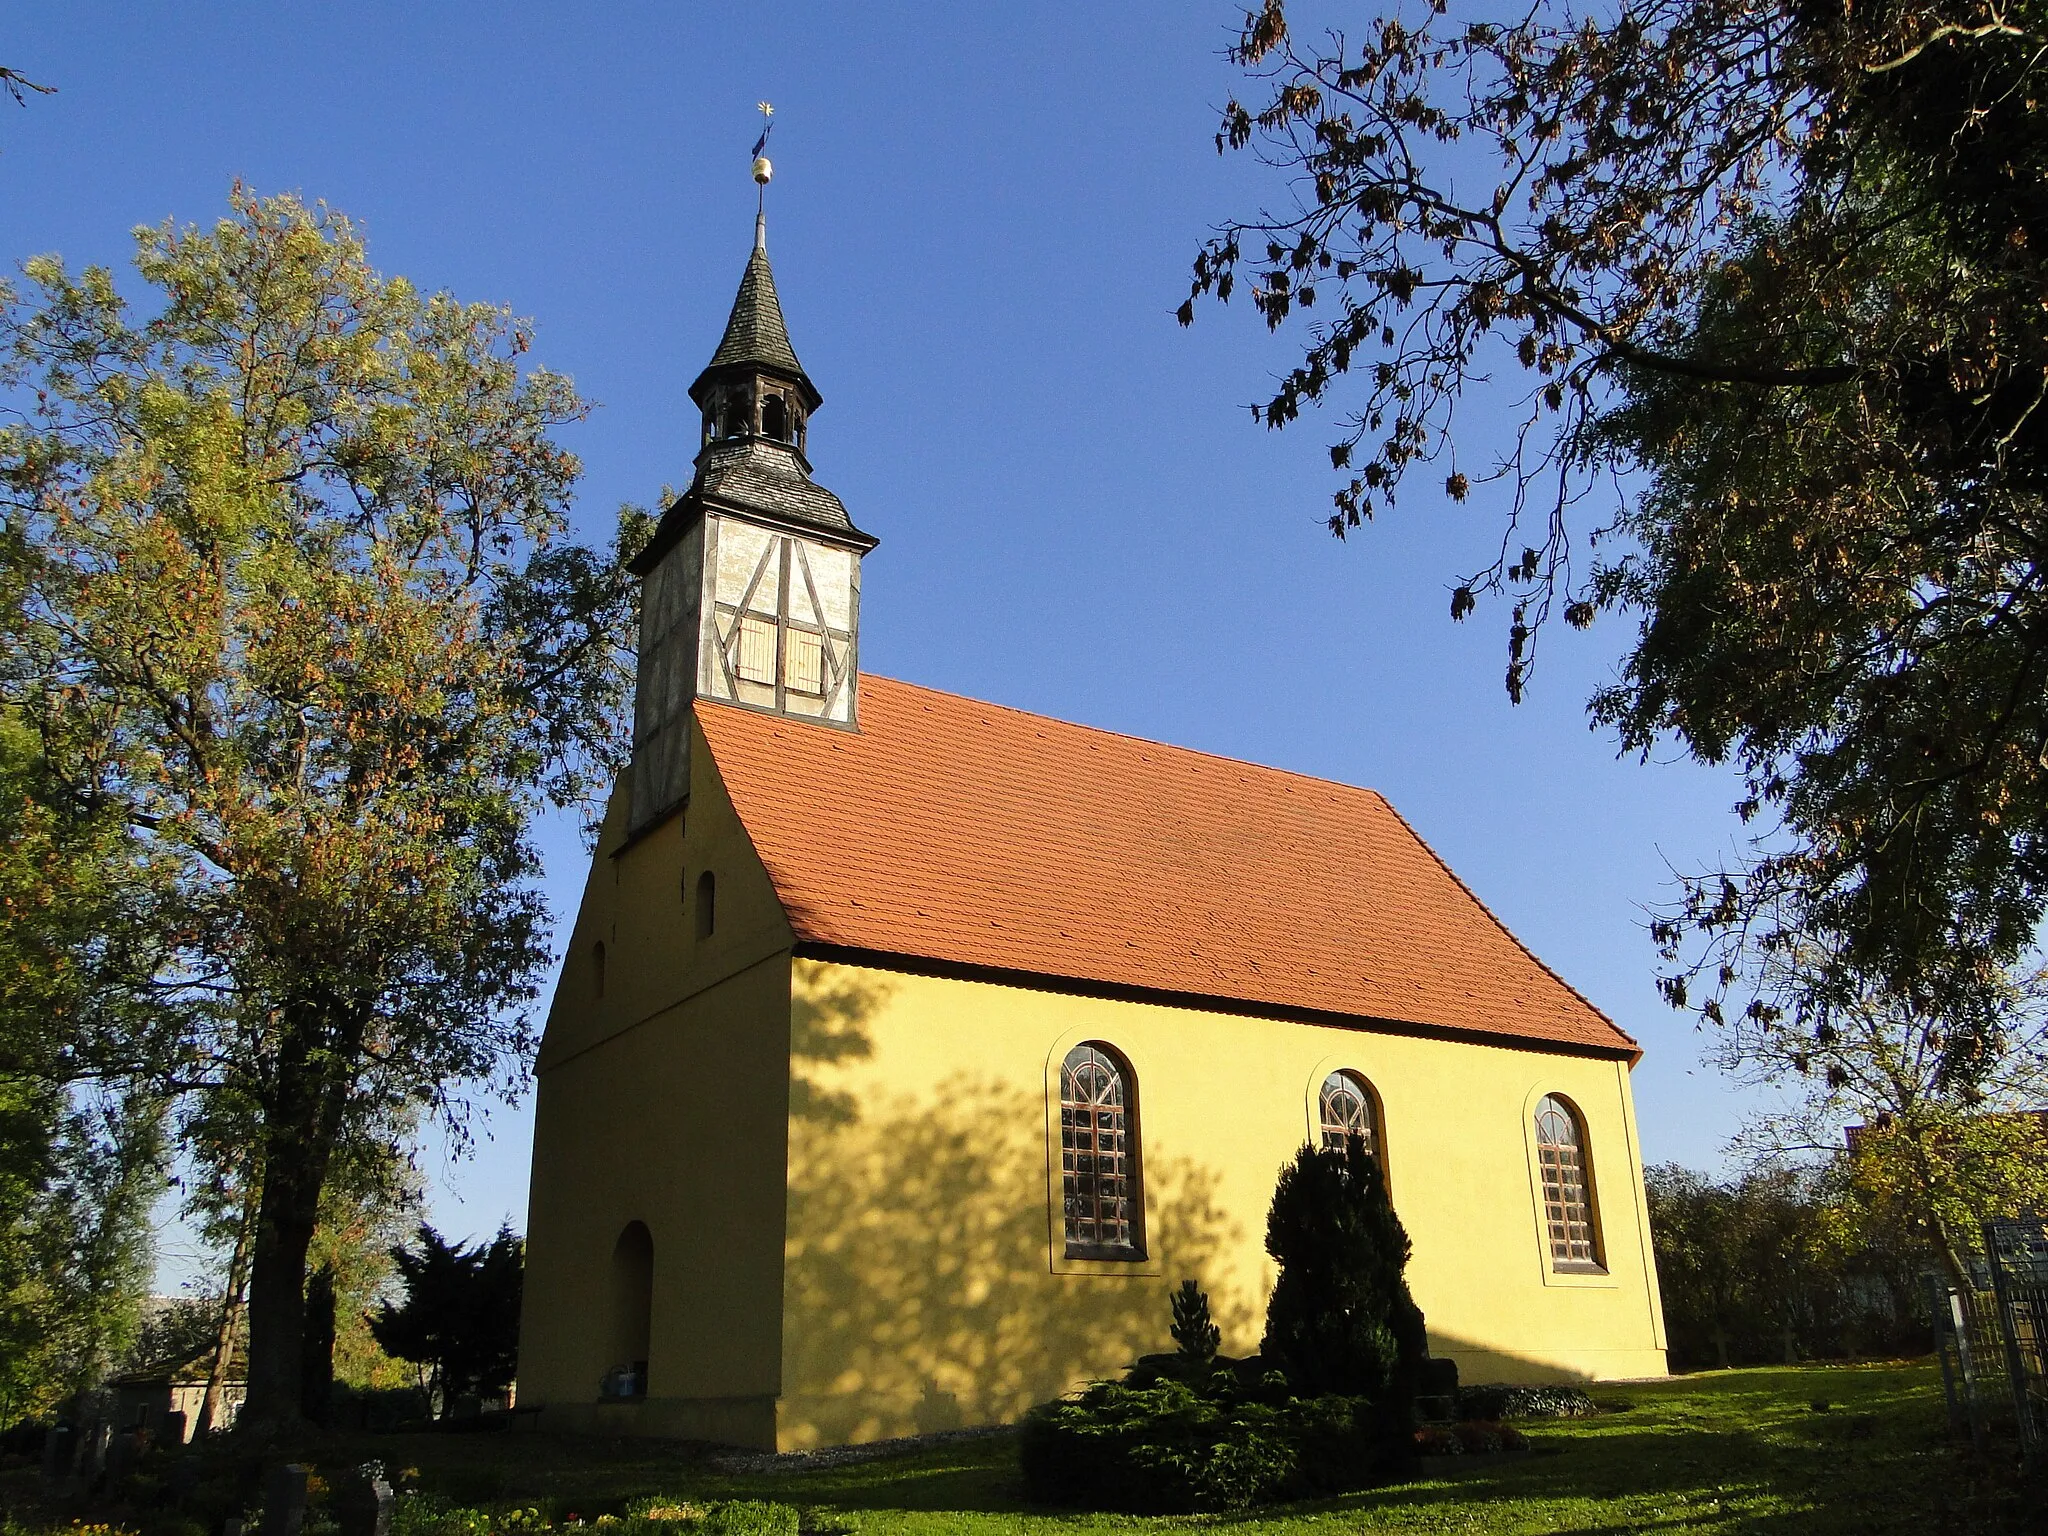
[[146, 1399]]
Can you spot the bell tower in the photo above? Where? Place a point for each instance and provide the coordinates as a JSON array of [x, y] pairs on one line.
[[750, 587]]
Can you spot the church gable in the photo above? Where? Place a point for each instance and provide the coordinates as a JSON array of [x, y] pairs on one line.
[[953, 831]]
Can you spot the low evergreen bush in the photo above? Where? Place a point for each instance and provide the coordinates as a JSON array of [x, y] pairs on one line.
[[1166, 1448], [1439, 1440], [1503, 1402]]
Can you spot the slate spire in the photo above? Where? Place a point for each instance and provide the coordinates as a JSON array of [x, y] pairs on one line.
[[756, 338], [756, 401]]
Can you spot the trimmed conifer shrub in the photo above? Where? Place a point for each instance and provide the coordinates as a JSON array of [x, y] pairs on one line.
[[1341, 1319], [1192, 1330]]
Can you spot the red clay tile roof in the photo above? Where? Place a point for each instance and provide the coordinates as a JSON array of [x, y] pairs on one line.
[[964, 833]]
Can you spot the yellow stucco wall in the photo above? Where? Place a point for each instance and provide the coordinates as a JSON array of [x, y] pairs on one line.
[[924, 1284], [849, 1175], [664, 1100]]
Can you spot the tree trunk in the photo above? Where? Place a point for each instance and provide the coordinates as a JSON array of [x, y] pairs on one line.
[[231, 1307], [1951, 1254], [301, 1122], [1721, 1346], [316, 1361], [277, 1287], [1946, 1247]]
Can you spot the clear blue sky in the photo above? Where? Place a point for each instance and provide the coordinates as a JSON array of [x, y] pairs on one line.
[[981, 222]]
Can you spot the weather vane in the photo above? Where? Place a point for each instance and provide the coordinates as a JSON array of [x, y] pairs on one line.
[[763, 170]]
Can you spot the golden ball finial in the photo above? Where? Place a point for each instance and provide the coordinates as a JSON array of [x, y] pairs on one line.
[[764, 169]]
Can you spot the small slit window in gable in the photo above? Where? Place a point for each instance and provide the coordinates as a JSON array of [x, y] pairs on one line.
[[707, 904], [803, 668], [597, 969], [757, 648]]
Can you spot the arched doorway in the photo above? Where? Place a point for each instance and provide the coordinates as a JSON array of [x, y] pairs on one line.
[[632, 1312]]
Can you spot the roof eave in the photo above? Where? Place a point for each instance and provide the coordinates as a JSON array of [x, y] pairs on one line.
[[718, 373], [692, 504], [1044, 981]]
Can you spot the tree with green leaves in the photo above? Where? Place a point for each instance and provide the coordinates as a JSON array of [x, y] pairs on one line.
[[1769, 276], [1696, 1224], [458, 1318], [80, 1109], [80, 1118], [1340, 1318], [1937, 1150], [77, 1250], [1770, 1267], [295, 544]]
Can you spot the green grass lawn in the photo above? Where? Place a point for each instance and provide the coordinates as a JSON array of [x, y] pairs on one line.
[[1734, 1451], [1728, 1451]]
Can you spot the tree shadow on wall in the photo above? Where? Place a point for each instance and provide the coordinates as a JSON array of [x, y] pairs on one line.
[[827, 1029], [918, 1275]]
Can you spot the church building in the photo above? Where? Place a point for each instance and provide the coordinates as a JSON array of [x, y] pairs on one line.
[[910, 1050]]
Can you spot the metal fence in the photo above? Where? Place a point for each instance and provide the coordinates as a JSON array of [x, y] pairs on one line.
[[1993, 1339]]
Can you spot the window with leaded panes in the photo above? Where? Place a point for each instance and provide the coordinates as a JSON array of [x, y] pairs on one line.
[[1099, 1156], [1344, 1108], [1567, 1187]]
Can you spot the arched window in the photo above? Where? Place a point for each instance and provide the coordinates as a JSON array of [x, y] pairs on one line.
[[707, 904], [1103, 1203], [632, 1313], [1345, 1107], [775, 419], [597, 969], [1567, 1186]]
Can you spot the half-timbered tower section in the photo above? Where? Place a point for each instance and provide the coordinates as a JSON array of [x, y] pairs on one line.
[[751, 584]]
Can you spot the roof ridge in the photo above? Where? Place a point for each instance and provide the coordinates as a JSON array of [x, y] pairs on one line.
[[1143, 741]]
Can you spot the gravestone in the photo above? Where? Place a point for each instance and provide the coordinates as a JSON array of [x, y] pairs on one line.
[[363, 1503], [60, 1448], [121, 1454], [92, 1459], [284, 1500]]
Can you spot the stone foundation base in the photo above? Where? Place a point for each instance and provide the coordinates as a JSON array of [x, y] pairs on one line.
[[743, 1421]]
